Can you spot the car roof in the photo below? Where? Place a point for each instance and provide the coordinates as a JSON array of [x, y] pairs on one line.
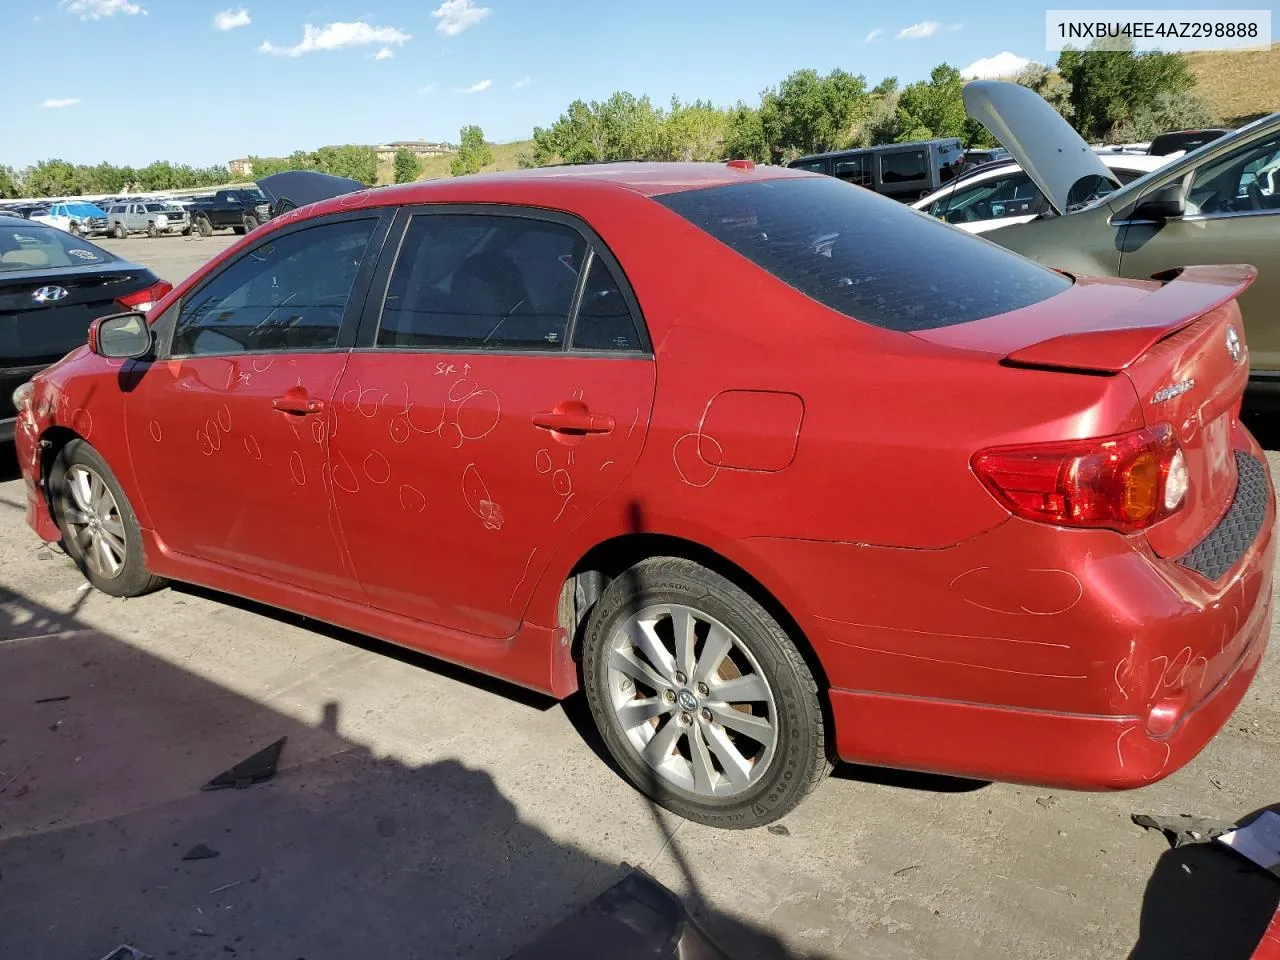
[[877, 147]]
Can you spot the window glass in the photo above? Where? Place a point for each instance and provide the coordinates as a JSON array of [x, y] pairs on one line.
[[157, 208], [1246, 179], [1013, 195], [864, 254], [289, 293], [903, 166], [604, 319], [33, 247], [855, 170], [472, 281], [813, 166]]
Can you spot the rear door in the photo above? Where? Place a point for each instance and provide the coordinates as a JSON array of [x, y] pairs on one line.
[[500, 393], [1233, 216], [228, 429]]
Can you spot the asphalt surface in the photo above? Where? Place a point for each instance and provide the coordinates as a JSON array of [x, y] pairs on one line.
[[424, 811]]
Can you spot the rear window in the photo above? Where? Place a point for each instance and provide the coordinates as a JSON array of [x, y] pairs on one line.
[[865, 255], [35, 247]]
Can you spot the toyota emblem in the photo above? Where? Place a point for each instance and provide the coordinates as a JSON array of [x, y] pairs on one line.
[[1234, 347], [48, 294]]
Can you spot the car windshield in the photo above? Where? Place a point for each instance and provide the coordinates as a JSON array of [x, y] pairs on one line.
[[1123, 195], [865, 255], [33, 247], [158, 208]]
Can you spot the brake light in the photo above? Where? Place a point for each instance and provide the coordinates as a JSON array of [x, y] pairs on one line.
[[1126, 482], [146, 298]]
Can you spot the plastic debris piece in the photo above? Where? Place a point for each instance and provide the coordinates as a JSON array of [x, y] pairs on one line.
[[200, 852], [127, 952], [255, 769], [1183, 828]]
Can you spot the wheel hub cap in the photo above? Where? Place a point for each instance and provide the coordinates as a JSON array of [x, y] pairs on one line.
[[691, 700], [94, 522]]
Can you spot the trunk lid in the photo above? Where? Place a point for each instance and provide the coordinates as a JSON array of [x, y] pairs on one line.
[[1061, 164], [1180, 343]]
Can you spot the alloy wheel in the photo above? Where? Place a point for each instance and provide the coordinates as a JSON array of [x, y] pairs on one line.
[[94, 521], [692, 700]]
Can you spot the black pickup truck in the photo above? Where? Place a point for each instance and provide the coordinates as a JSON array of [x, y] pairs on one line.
[[241, 209]]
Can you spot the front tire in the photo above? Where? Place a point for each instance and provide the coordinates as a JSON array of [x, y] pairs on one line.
[[152, 232], [99, 529], [238, 231], [118, 231], [250, 223], [74, 230], [701, 697], [204, 227]]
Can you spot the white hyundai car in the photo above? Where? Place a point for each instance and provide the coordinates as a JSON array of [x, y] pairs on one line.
[[1000, 194]]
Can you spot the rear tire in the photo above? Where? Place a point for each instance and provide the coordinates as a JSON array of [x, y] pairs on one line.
[[238, 231], [727, 730], [100, 531]]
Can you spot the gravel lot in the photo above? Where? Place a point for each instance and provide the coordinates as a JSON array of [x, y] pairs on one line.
[[425, 811]]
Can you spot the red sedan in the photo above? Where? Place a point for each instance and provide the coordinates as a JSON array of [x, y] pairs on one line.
[[773, 468]]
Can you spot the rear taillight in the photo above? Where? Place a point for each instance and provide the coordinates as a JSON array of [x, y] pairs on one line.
[[144, 299], [1126, 482]]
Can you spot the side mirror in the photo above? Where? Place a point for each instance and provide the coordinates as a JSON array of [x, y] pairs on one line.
[[1167, 203], [121, 336]]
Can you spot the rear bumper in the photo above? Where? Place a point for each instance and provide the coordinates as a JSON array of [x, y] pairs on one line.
[[1063, 750]]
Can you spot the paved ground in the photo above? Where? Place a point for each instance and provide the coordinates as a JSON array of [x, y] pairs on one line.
[[423, 811]]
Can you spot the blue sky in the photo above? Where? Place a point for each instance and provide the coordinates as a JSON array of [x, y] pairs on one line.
[[270, 76]]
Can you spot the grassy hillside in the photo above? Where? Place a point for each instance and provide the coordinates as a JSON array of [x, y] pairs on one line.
[[1238, 85], [505, 157]]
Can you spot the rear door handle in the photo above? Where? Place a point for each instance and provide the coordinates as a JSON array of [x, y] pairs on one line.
[[574, 422], [297, 404]]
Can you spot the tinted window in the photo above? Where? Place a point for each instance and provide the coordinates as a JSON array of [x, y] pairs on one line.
[[287, 294], [33, 247], [814, 166], [855, 169], [903, 166], [470, 281], [865, 255], [157, 208], [1239, 181], [604, 320]]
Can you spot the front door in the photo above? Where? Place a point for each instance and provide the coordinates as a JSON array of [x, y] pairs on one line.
[[482, 423], [228, 429], [1233, 216]]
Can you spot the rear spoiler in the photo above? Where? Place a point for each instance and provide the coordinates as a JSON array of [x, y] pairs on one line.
[[1187, 294]]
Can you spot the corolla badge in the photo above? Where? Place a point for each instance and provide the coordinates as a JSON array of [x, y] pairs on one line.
[[48, 294], [1173, 390], [1234, 347]]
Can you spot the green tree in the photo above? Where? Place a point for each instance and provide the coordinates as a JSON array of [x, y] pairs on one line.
[[932, 108], [9, 183], [159, 175], [1050, 85], [886, 87], [51, 178], [1172, 110], [473, 153], [1110, 84], [814, 113], [693, 131], [406, 166], [350, 161], [744, 135]]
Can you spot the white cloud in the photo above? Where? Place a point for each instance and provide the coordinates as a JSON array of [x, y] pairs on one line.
[[1003, 64], [230, 19], [480, 87], [522, 82], [458, 15], [97, 9], [874, 35], [58, 104], [918, 31], [386, 53], [335, 36]]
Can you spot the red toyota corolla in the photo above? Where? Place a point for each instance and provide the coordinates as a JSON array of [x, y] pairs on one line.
[[775, 469]]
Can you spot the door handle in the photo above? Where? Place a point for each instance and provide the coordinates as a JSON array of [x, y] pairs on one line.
[[574, 422], [296, 404]]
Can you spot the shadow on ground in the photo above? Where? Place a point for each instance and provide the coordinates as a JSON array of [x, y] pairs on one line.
[[1203, 901], [103, 751]]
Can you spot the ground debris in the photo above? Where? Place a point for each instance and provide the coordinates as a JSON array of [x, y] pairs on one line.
[[778, 830], [127, 952], [200, 852], [63, 699], [255, 769], [1183, 828], [1047, 802]]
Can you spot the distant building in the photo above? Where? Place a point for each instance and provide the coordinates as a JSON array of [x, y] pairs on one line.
[[240, 168], [419, 148]]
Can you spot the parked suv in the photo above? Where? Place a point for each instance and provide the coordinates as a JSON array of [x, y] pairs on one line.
[[151, 217], [241, 209], [78, 218], [904, 171]]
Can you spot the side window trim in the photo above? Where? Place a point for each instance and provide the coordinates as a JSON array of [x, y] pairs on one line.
[[366, 337], [355, 302]]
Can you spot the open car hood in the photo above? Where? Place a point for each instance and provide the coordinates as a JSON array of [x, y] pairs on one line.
[[1060, 163], [297, 188]]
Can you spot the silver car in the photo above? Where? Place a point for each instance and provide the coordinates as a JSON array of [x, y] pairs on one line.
[[152, 217]]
